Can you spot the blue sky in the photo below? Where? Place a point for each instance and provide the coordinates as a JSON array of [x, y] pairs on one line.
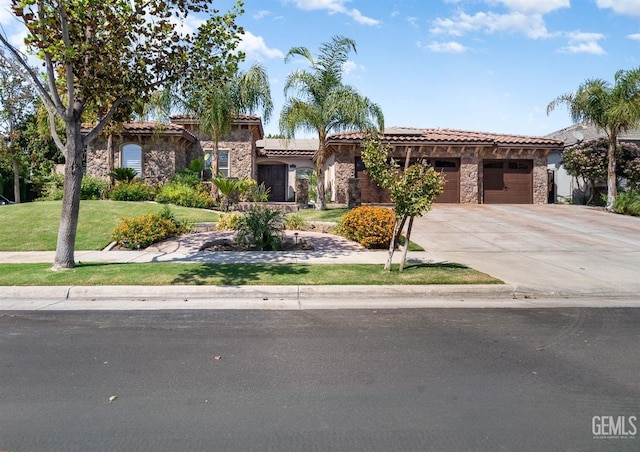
[[485, 65]]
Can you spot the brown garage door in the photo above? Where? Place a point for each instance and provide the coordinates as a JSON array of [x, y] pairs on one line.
[[371, 193], [508, 181]]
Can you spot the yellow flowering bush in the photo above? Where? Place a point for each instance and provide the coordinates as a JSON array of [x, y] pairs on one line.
[[145, 230], [370, 226]]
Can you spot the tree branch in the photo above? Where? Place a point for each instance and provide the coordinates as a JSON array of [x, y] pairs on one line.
[[88, 138]]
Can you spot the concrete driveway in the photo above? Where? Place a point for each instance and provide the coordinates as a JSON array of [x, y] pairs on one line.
[[551, 249]]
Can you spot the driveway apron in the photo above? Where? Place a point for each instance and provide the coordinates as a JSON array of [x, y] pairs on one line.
[[551, 249]]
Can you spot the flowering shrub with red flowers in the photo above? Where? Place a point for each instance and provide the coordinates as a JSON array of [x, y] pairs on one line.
[[370, 226]]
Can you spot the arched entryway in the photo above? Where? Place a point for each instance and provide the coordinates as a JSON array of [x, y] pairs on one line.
[[274, 176]]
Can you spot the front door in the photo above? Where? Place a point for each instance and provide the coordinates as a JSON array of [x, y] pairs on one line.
[[275, 178]]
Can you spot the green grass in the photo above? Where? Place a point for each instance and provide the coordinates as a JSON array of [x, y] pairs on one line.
[[88, 274], [333, 214], [34, 226]]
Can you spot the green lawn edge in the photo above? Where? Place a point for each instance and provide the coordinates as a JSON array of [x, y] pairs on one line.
[[162, 274]]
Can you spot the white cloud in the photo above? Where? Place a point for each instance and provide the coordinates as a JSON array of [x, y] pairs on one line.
[[335, 7], [256, 49], [413, 21], [635, 36], [580, 42], [351, 67], [530, 25], [444, 47], [6, 16], [261, 14], [630, 7], [533, 6]]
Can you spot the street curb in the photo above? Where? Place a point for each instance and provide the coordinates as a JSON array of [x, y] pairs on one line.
[[329, 292]]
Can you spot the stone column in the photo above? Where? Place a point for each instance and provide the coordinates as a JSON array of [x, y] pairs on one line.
[[354, 193], [302, 193]]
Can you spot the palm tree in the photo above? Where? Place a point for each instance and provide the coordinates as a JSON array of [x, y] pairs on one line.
[[323, 104], [217, 105], [612, 108]]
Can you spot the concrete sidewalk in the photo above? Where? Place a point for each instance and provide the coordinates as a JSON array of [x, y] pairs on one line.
[[547, 256]]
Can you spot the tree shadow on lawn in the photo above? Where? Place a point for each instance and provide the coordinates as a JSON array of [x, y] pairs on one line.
[[237, 274], [451, 265]]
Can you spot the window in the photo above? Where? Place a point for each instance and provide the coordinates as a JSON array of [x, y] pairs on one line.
[[493, 165], [223, 163], [304, 173], [132, 157]]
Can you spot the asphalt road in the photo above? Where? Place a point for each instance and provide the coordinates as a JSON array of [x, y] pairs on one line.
[[525, 379]]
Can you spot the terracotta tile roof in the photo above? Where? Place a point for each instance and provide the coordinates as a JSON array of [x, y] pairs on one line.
[[275, 147], [409, 135], [150, 128], [194, 118]]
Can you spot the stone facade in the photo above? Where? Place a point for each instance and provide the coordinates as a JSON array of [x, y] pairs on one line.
[[162, 155], [471, 160]]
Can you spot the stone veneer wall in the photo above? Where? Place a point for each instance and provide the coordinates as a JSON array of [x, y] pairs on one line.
[[162, 156], [470, 168], [241, 147]]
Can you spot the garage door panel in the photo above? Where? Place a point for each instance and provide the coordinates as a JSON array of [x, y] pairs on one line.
[[508, 181], [449, 168]]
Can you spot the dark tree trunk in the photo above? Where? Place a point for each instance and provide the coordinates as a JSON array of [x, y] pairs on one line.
[[64, 257], [16, 179]]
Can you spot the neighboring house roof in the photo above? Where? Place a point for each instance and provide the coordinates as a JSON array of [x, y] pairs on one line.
[[580, 132], [415, 136], [276, 147], [151, 128]]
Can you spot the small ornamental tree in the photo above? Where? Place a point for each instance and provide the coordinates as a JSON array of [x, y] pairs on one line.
[[588, 161], [101, 59], [411, 190]]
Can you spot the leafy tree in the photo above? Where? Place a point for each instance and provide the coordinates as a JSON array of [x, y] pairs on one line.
[[318, 101], [17, 102], [612, 108], [588, 161], [412, 189], [100, 56]]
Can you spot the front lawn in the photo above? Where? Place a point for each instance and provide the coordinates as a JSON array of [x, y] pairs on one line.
[[34, 226]]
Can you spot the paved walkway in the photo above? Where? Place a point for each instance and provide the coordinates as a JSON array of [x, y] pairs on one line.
[[547, 255]]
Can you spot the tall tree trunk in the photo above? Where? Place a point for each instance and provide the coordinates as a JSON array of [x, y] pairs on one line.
[[65, 248], [403, 261], [16, 178], [612, 187], [321, 202], [110, 158]]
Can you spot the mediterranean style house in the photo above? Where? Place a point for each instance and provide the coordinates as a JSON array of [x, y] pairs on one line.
[[478, 167]]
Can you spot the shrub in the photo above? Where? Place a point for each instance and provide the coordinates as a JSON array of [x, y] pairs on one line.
[[123, 174], [136, 190], [50, 187], [187, 178], [294, 221], [372, 227], [145, 230], [628, 203], [260, 193], [94, 188], [262, 229], [246, 187], [185, 195], [228, 222]]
